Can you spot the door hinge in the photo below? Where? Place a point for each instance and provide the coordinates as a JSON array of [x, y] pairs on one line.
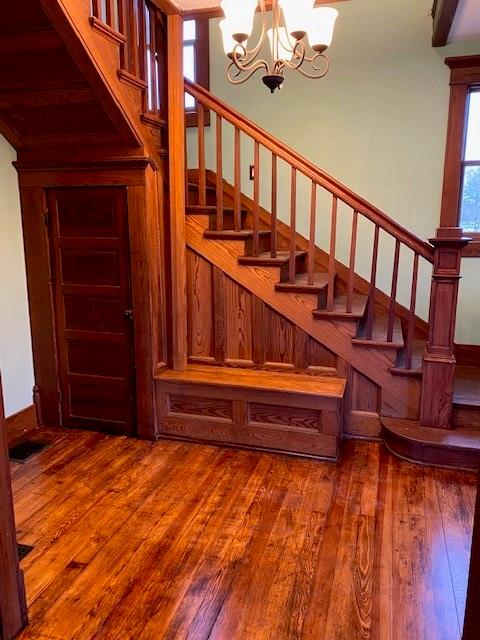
[[60, 397], [46, 218]]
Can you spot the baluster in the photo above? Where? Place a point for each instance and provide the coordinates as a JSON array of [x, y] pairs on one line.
[[185, 146], [353, 255], [373, 281], [393, 294], [411, 316], [256, 200], [237, 215], [110, 13], [131, 17], [142, 44], [311, 244], [202, 174], [274, 206], [96, 8], [292, 271], [331, 258], [123, 29], [219, 152]]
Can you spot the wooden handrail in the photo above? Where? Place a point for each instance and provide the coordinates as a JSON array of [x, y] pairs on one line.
[[308, 169]]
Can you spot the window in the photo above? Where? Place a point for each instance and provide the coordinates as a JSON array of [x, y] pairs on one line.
[[461, 184], [196, 62], [470, 201]]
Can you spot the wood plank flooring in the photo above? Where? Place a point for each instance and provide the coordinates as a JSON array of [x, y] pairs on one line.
[[171, 540]]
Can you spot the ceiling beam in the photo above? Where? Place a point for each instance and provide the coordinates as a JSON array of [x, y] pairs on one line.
[[443, 13]]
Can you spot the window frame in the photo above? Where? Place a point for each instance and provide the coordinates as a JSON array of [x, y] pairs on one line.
[[464, 80], [201, 47]]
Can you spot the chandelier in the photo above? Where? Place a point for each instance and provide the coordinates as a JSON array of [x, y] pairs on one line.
[[298, 37]]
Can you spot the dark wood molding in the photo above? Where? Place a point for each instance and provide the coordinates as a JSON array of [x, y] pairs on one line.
[[21, 423], [13, 607], [443, 14]]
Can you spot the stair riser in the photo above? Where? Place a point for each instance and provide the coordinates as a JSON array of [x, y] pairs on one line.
[[228, 221], [264, 244], [299, 267], [193, 199]]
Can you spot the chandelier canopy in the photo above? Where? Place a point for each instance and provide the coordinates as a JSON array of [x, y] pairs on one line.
[[297, 39]]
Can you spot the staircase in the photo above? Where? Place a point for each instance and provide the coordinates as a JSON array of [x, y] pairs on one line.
[[374, 344], [271, 338]]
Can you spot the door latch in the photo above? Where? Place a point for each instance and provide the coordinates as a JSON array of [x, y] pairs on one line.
[[128, 314]]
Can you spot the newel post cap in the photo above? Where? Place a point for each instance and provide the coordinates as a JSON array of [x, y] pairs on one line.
[[452, 236]]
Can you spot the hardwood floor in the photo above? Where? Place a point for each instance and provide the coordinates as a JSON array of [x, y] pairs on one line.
[[135, 540]]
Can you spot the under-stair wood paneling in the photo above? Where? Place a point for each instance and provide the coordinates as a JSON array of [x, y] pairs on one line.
[[46, 100], [229, 326], [399, 396]]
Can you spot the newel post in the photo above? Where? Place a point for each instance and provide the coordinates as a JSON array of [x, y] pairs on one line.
[[439, 359]]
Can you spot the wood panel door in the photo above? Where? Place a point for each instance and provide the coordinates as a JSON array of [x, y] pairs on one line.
[[13, 608], [93, 307]]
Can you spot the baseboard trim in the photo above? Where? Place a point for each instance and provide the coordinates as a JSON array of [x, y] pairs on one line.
[[21, 423]]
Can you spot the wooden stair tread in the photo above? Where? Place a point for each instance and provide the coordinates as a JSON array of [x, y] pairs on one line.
[[230, 234], [339, 310], [320, 282], [379, 334], [459, 448], [266, 259], [467, 388], [330, 387], [416, 370]]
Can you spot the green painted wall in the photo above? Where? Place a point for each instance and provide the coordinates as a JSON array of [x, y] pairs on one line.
[[377, 123]]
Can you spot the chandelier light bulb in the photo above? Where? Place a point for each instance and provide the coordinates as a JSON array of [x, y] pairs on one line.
[[297, 14], [320, 27], [227, 29], [277, 48], [240, 14]]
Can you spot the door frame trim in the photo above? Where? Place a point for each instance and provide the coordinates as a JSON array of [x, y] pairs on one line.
[[145, 203]]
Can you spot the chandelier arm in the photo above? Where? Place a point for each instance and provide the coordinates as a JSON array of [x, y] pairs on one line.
[[245, 63], [317, 76], [299, 59], [248, 71], [253, 53]]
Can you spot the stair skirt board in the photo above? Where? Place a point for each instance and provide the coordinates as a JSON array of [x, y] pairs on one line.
[[283, 421]]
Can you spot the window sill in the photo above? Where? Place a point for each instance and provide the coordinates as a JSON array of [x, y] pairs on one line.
[[473, 248]]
